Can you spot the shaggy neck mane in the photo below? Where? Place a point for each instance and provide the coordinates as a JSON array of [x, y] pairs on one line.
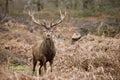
[[48, 44], [48, 48]]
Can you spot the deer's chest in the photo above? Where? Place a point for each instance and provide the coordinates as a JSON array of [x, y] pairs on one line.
[[48, 49]]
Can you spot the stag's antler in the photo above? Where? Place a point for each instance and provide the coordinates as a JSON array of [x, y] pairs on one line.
[[59, 21], [62, 16], [36, 21]]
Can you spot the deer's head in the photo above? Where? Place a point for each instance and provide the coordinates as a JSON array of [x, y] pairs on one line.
[[48, 28]]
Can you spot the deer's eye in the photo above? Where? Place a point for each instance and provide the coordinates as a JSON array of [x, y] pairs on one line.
[[51, 30]]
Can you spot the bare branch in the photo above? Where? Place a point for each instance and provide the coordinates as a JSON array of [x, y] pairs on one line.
[[99, 27]]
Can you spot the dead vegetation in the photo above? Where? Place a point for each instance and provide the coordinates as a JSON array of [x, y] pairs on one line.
[[90, 58]]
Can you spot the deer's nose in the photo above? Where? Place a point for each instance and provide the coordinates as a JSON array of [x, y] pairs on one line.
[[48, 35]]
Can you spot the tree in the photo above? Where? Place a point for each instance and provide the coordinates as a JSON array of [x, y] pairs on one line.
[[39, 4], [4, 9], [7, 6]]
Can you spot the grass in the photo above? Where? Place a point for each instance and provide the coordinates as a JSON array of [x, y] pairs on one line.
[[88, 13], [95, 12], [107, 11], [19, 68]]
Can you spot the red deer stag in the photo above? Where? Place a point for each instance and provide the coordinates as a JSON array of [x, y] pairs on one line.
[[45, 52]]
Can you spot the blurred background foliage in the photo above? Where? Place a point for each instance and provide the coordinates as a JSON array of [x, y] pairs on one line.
[[75, 8]]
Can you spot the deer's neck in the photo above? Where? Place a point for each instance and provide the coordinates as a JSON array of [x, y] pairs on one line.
[[48, 43], [48, 39], [47, 47]]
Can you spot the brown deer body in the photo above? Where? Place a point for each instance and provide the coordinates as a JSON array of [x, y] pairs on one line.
[[45, 52]]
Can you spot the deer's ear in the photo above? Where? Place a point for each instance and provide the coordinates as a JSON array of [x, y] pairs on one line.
[[51, 30], [54, 28]]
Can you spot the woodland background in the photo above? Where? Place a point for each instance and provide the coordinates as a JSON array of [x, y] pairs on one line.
[[96, 56]]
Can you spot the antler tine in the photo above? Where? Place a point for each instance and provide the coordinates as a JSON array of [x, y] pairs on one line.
[[43, 23], [33, 18], [36, 21], [62, 18]]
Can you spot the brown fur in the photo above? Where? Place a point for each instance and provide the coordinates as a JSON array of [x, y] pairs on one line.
[[46, 51], [43, 53]]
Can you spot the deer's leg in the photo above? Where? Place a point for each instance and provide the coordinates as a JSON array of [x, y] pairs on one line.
[[34, 64], [41, 64], [44, 63], [45, 67], [51, 62]]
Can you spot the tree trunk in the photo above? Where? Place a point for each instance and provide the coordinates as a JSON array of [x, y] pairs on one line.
[[7, 7], [57, 3], [85, 4], [40, 5]]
